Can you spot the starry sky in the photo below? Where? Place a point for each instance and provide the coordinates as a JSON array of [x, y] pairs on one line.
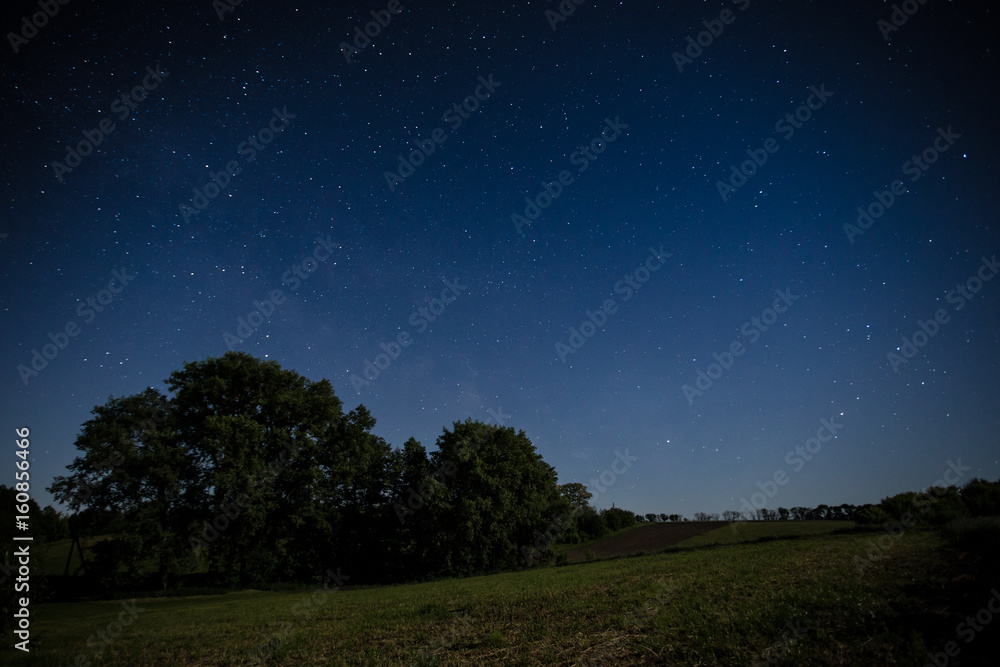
[[582, 224]]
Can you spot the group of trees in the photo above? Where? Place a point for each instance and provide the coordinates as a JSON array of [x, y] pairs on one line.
[[251, 472], [45, 525], [936, 506], [652, 517], [843, 512]]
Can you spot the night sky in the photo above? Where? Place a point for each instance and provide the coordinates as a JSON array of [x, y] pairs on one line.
[[353, 202]]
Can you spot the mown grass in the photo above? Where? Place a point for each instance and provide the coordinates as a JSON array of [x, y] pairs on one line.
[[727, 605]]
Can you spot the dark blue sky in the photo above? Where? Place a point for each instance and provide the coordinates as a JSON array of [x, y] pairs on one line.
[[488, 302]]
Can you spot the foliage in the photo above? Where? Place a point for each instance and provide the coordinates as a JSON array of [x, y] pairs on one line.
[[502, 492], [615, 518]]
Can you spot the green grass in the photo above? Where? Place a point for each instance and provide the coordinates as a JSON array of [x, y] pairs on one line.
[[719, 606], [54, 554], [750, 531]]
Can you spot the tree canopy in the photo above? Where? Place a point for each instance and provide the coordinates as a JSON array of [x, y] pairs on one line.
[[251, 472]]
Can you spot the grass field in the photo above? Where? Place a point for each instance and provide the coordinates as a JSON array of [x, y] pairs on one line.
[[727, 605], [749, 531], [54, 555]]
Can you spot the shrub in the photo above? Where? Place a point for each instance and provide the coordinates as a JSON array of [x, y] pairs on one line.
[[980, 535], [615, 518]]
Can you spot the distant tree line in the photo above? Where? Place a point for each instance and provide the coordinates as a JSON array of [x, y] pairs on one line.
[[44, 525], [935, 506]]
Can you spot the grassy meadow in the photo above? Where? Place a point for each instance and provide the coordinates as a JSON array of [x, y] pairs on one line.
[[750, 531], [784, 602]]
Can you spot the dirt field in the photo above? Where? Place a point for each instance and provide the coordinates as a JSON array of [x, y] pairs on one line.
[[649, 538]]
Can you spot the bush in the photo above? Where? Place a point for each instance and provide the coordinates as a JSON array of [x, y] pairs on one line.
[[872, 515], [980, 535], [592, 524], [982, 498], [616, 518]]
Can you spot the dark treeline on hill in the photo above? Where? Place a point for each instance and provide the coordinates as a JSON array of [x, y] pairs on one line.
[[252, 473], [249, 473]]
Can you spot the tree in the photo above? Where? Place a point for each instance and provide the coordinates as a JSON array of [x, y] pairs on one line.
[[590, 524], [576, 495], [263, 440], [944, 504], [500, 495], [133, 465], [651, 517], [227, 470], [415, 499], [49, 523], [871, 515], [616, 518], [981, 498], [783, 514], [664, 517]]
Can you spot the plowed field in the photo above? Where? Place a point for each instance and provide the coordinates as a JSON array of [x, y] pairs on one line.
[[649, 538]]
